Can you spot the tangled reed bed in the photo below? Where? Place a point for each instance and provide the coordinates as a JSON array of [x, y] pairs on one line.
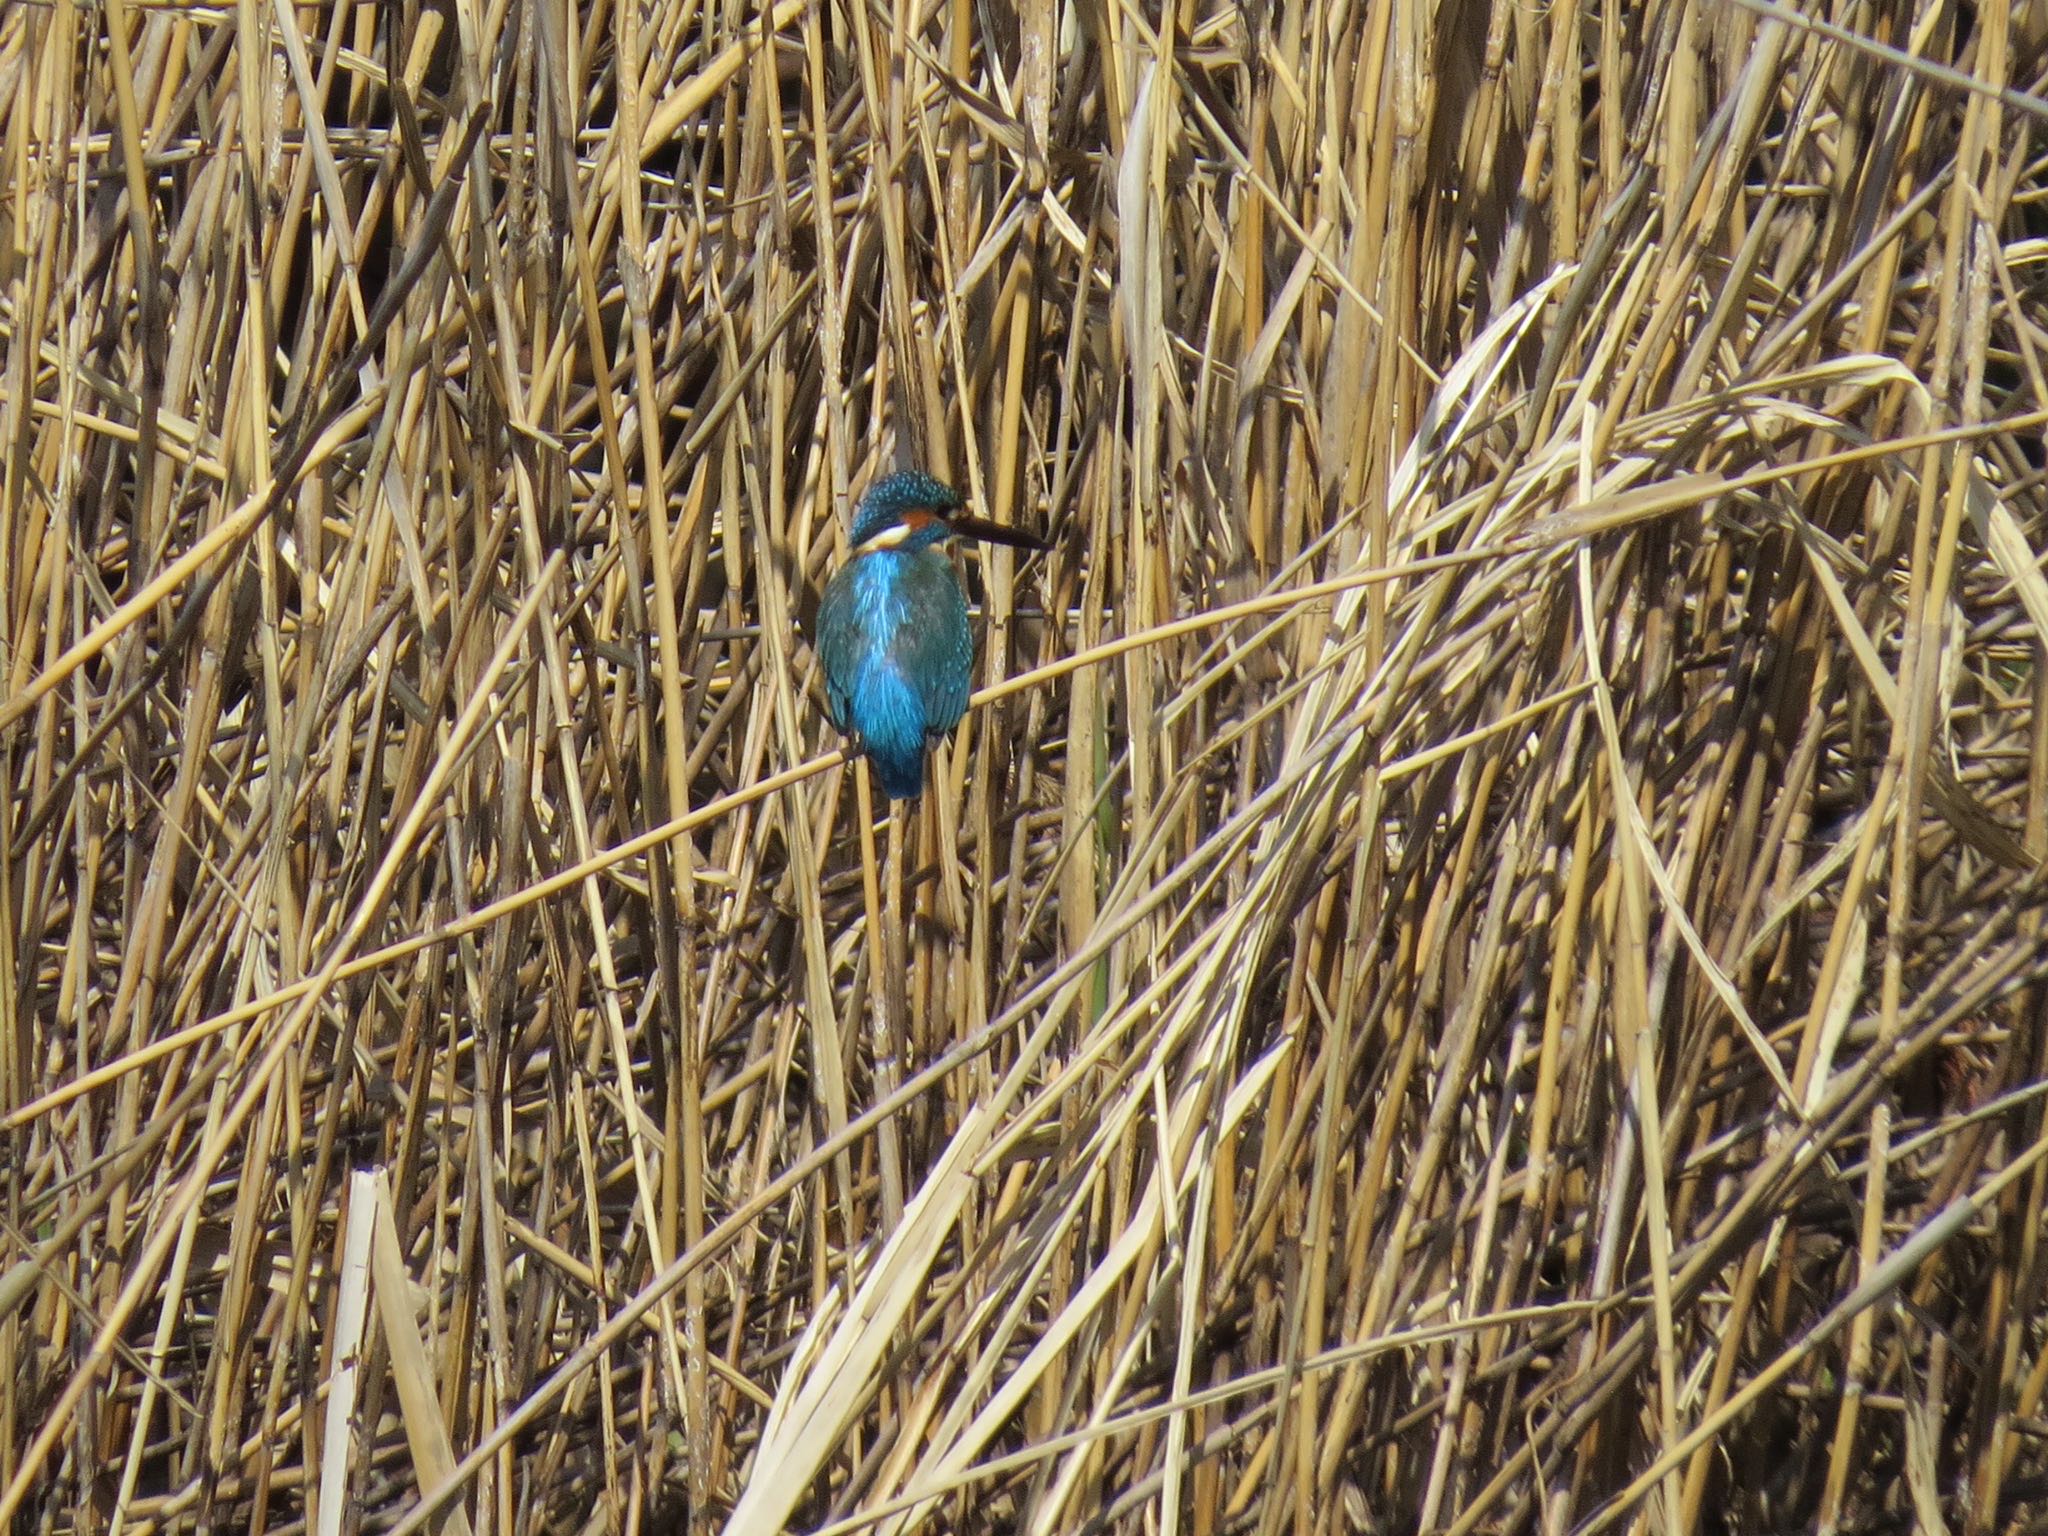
[[1482, 972]]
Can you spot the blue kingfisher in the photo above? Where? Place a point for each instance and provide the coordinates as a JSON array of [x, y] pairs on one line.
[[893, 635]]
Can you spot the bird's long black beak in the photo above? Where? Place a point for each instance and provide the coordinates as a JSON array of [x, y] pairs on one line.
[[968, 527]]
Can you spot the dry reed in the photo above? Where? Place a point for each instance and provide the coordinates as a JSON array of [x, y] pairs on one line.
[[1477, 968]]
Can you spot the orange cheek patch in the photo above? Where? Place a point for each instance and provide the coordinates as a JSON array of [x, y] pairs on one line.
[[917, 519]]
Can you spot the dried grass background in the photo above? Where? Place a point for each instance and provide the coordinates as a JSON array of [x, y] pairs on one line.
[[1481, 973]]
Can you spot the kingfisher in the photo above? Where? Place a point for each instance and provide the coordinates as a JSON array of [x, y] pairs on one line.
[[893, 635]]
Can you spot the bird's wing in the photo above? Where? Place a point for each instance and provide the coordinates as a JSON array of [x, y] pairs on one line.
[[838, 645], [938, 644]]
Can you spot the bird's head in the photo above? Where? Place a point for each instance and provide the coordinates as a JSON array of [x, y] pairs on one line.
[[913, 510], [906, 510]]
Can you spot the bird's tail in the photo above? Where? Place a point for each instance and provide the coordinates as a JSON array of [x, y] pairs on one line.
[[892, 729], [901, 771]]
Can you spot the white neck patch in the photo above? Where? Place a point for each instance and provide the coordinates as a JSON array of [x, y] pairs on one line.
[[895, 536]]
